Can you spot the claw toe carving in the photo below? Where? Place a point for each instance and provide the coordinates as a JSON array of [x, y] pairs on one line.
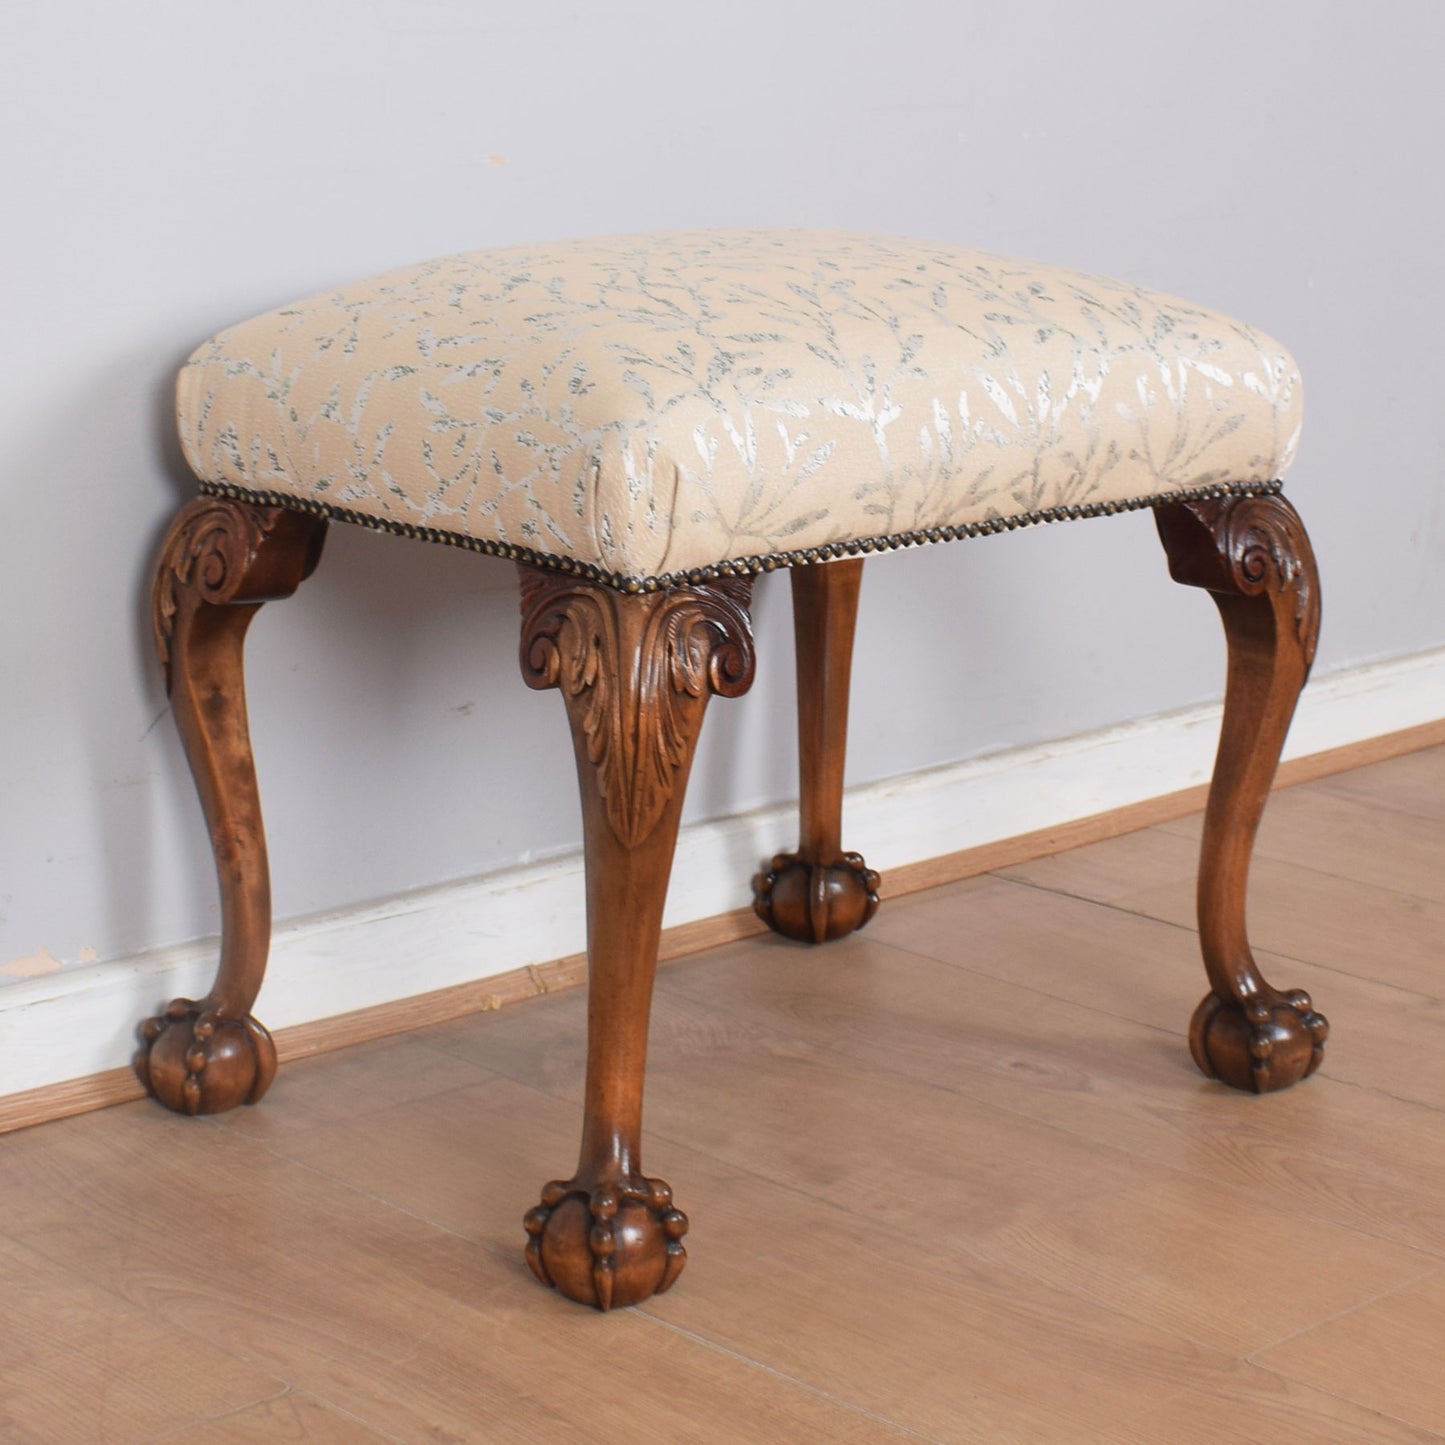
[[612, 1245]]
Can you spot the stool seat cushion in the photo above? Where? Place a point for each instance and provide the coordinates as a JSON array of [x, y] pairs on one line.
[[650, 408]]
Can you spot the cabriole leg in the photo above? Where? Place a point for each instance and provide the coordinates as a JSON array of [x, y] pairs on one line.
[[820, 892], [1253, 555], [635, 672], [221, 560]]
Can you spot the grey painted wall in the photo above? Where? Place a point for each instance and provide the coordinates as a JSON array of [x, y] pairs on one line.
[[173, 166]]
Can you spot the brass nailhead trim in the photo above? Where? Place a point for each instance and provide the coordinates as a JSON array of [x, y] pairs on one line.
[[736, 566]]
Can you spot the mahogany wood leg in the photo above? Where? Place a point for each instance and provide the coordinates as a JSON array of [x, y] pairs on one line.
[[1253, 555], [820, 892], [635, 672], [221, 560]]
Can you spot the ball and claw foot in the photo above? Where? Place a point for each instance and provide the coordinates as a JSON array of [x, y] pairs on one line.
[[611, 1245], [195, 1062], [1265, 1043], [816, 902]]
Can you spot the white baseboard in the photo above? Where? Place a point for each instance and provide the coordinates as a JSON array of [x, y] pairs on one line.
[[81, 1021]]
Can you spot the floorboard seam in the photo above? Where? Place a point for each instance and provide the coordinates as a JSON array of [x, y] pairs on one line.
[[1329, 1319], [1273, 953], [1411, 1425], [815, 1390]]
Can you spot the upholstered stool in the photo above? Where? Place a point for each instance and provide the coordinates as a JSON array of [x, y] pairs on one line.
[[643, 423]]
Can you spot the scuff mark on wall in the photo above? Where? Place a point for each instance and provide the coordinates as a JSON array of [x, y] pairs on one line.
[[156, 719]]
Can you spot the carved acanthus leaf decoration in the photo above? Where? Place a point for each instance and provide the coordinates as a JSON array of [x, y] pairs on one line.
[[207, 552], [1269, 551], [211, 555], [1250, 546], [636, 671]]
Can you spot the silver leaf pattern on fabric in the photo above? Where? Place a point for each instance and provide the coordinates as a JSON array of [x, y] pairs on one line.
[[653, 404]]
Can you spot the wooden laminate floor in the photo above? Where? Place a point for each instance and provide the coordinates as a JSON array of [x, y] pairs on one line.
[[954, 1178]]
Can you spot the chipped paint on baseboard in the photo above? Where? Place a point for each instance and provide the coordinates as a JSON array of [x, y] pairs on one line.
[[42, 961], [34, 965]]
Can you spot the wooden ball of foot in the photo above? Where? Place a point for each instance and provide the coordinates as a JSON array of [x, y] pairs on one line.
[[1269, 1042], [816, 902], [198, 1063], [614, 1245]]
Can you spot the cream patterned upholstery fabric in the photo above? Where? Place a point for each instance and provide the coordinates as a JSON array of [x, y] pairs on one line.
[[650, 407]]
